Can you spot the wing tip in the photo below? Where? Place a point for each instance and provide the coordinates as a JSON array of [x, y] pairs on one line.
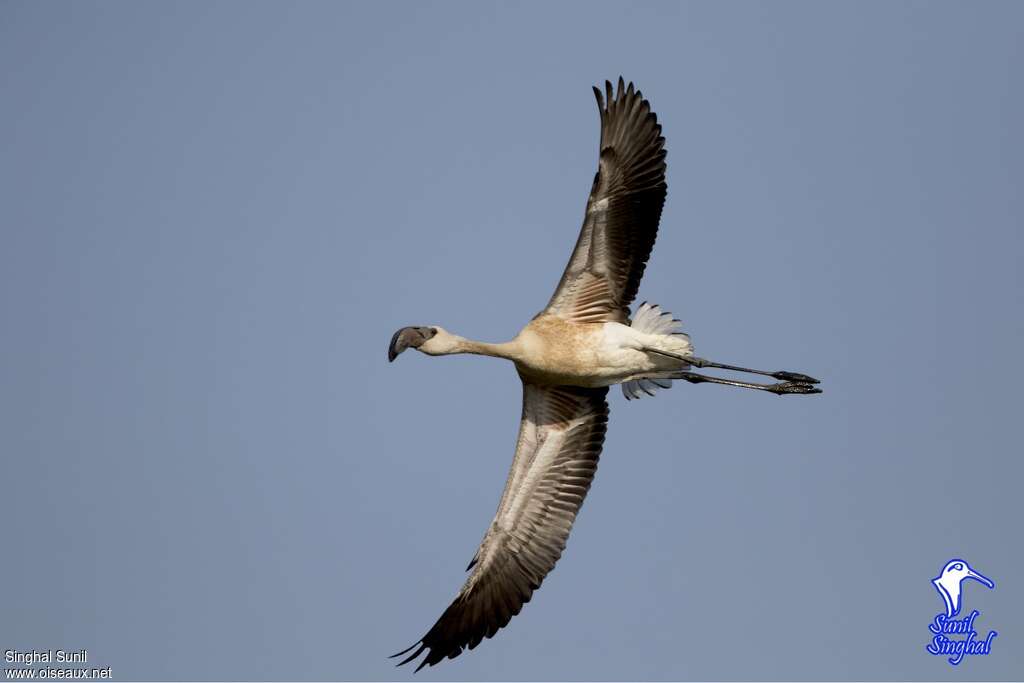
[[399, 654], [414, 655], [619, 91], [430, 659]]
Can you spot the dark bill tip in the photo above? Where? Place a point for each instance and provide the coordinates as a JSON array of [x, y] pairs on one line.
[[408, 337], [393, 349]]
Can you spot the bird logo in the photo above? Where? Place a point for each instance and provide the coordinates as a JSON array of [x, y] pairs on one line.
[[950, 580]]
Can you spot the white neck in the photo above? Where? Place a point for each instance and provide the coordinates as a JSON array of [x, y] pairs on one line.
[[507, 350], [445, 344]]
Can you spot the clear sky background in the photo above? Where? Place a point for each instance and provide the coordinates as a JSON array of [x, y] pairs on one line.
[[214, 216]]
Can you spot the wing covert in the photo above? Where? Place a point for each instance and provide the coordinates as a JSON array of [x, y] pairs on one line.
[[623, 211], [560, 438]]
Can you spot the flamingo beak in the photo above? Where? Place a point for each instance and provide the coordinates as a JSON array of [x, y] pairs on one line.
[[408, 337]]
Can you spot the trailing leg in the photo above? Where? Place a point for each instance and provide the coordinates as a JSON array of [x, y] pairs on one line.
[[779, 374], [696, 362], [779, 388]]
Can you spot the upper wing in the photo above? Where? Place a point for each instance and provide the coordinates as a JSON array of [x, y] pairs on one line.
[[560, 440], [622, 216]]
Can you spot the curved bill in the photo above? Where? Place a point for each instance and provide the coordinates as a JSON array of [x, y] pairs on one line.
[[408, 337]]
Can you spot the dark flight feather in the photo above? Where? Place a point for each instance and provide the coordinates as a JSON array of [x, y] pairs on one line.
[[560, 438], [623, 212]]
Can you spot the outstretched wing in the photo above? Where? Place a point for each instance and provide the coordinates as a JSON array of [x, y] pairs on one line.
[[560, 439], [622, 216]]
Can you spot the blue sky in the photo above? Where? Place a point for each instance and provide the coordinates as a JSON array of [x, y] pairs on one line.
[[215, 215]]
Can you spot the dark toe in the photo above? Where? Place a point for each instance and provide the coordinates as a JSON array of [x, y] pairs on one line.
[[795, 388], [795, 377]]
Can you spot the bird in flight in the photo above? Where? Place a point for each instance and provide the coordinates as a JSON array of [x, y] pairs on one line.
[[570, 353]]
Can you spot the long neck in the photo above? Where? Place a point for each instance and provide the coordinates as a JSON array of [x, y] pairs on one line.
[[508, 350]]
